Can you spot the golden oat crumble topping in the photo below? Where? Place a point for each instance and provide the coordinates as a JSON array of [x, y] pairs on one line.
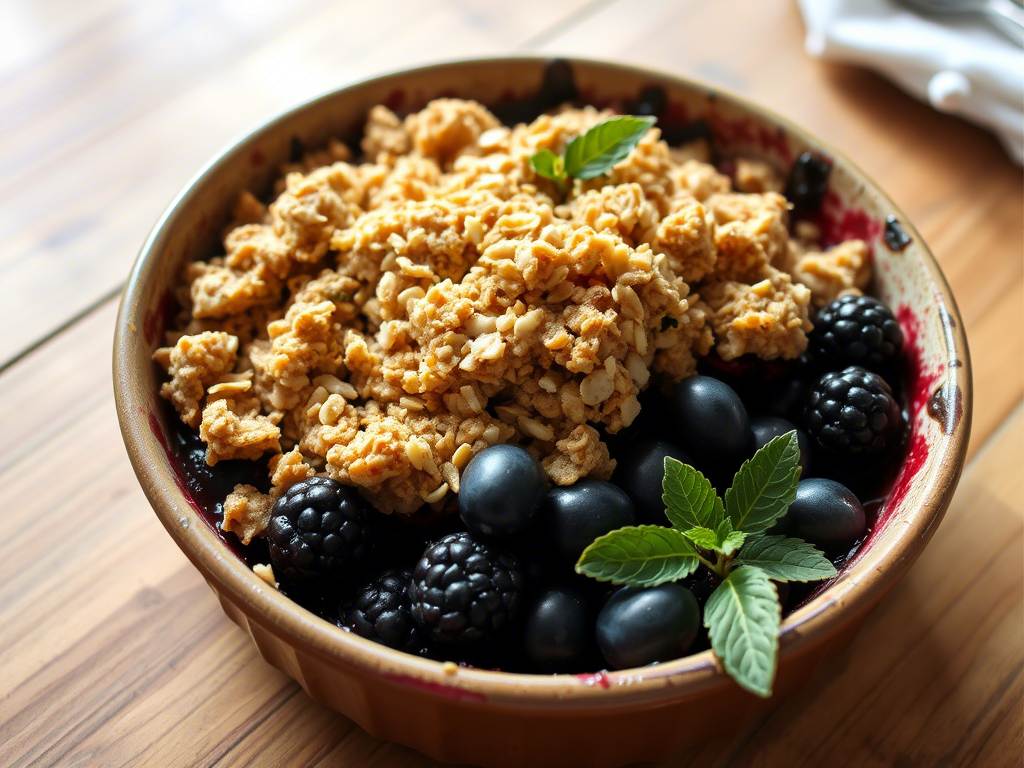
[[843, 269], [383, 322]]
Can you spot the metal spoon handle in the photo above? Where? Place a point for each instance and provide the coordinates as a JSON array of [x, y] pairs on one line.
[[1008, 17]]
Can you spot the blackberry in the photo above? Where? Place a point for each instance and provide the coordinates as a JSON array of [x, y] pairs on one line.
[[380, 611], [319, 529], [856, 330], [851, 414], [463, 591]]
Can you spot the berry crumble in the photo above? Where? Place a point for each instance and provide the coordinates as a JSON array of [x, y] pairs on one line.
[[456, 366]]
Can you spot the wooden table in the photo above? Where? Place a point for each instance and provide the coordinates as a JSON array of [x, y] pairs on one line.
[[112, 649]]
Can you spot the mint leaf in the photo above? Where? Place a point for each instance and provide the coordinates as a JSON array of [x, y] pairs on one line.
[[593, 153], [641, 556], [723, 539], [786, 559], [549, 165], [743, 616], [728, 539], [765, 485], [690, 501], [704, 538]]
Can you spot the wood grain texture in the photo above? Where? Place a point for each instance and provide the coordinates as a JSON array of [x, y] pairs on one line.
[[112, 649], [102, 127]]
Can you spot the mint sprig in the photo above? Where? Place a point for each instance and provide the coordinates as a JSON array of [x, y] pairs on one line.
[[764, 487], [743, 614], [742, 617], [551, 166], [690, 501], [786, 559], [594, 152], [644, 556]]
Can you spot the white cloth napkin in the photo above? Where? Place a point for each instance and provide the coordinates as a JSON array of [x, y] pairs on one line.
[[959, 66]]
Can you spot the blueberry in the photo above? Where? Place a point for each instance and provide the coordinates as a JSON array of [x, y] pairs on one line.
[[767, 428], [712, 422], [808, 183], [558, 632], [573, 516], [824, 513], [502, 488], [559, 84], [640, 475], [639, 626], [677, 134]]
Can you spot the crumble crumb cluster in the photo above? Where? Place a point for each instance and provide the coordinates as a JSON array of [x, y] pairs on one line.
[[383, 322]]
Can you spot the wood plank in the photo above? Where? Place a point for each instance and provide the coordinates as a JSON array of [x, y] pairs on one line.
[[101, 135]]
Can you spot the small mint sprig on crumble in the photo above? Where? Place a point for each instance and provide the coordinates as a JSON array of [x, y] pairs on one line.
[[743, 614], [592, 153]]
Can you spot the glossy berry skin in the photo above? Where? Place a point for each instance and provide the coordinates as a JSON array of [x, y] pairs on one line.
[[501, 490], [319, 529], [807, 183], [640, 475], [639, 626], [767, 428], [380, 611], [856, 330], [851, 415], [558, 632], [711, 422], [463, 591], [824, 513], [573, 516]]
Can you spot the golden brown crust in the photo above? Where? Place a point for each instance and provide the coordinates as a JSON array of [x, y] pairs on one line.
[[840, 270], [396, 317], [247, 512], [768, 318], [194, 363], [757, 176]]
